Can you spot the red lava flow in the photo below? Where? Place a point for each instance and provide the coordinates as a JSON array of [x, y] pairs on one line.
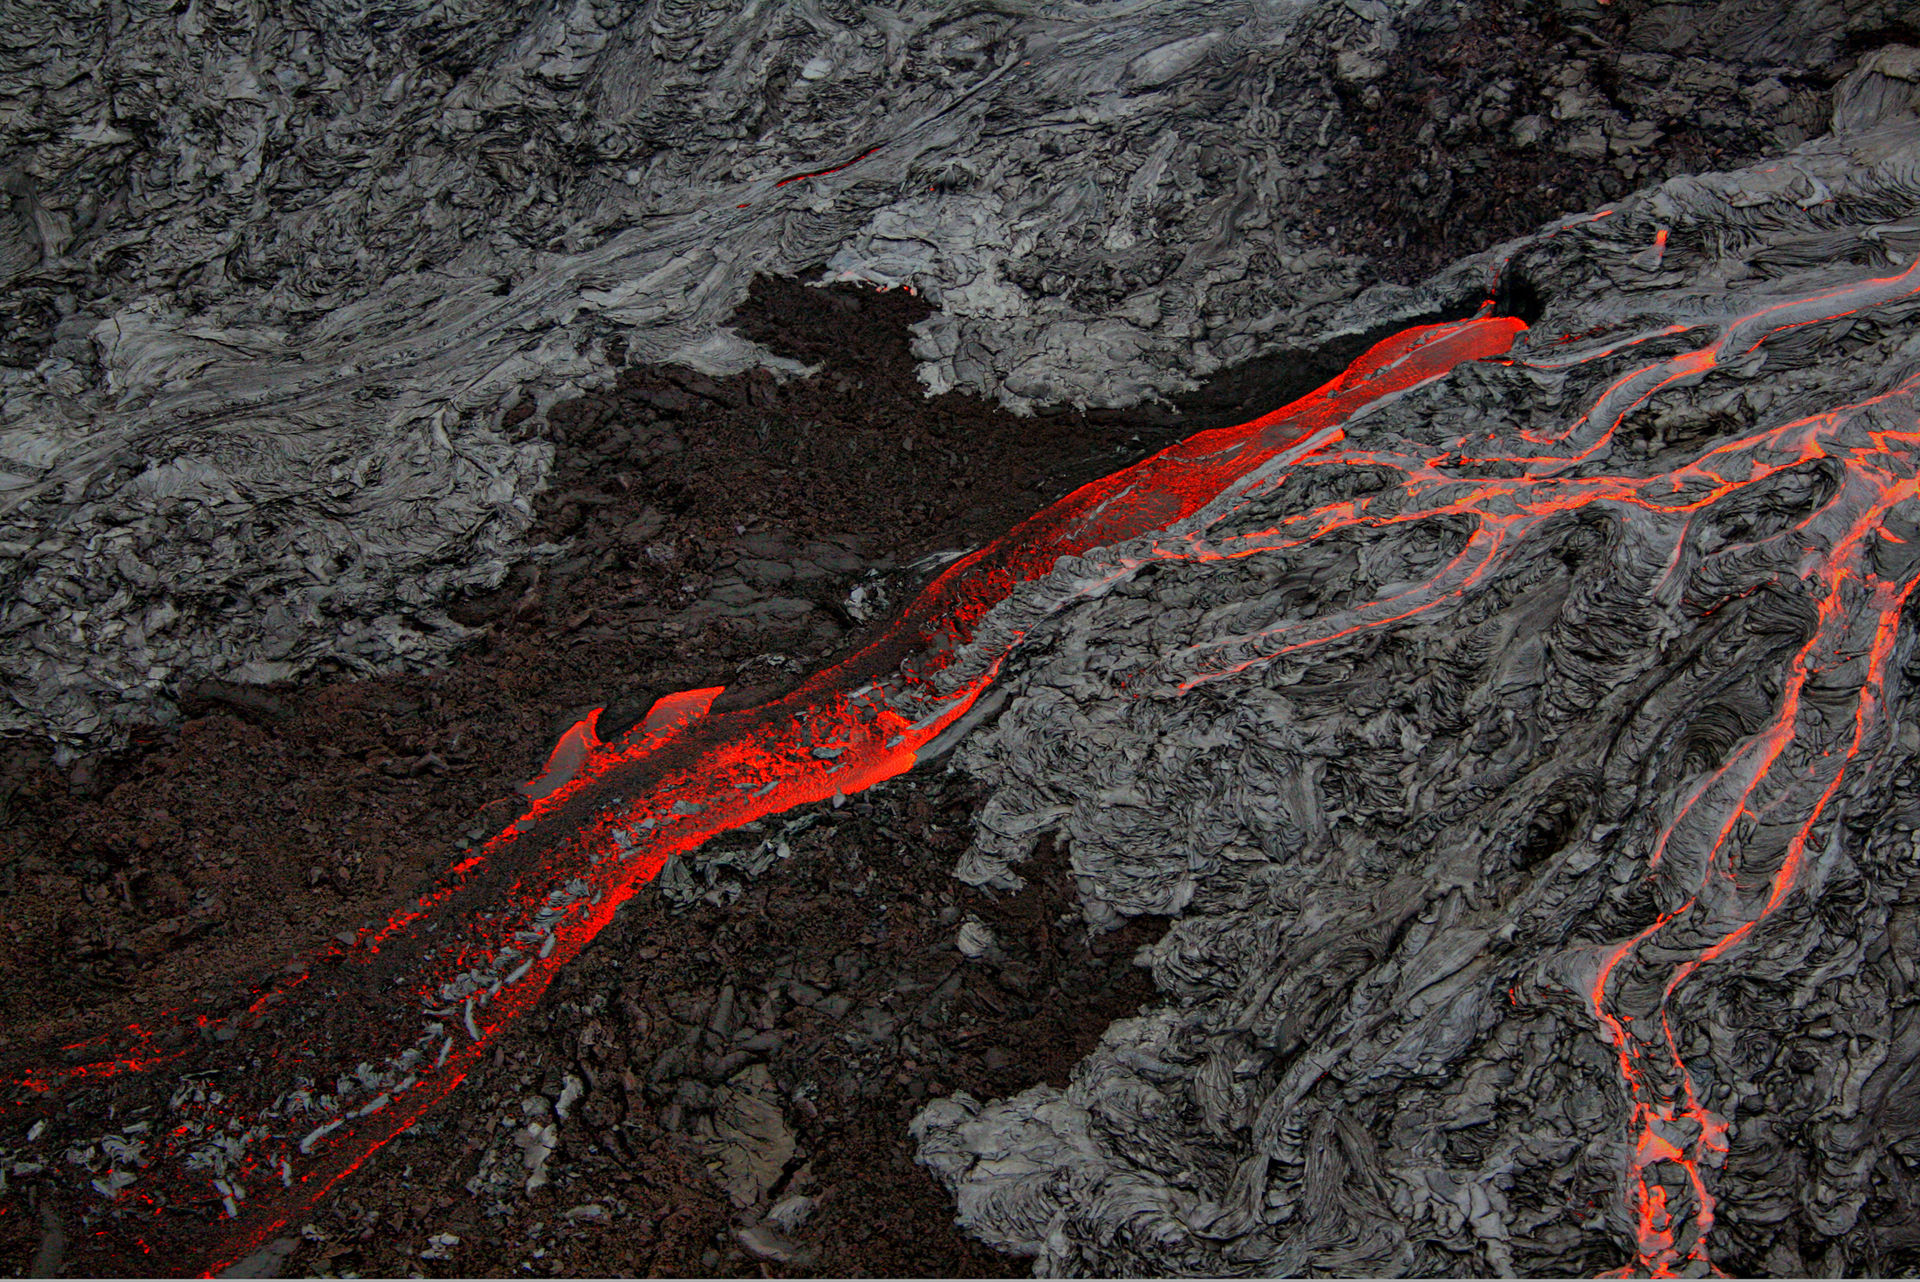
[[605, 818], [820, 173]]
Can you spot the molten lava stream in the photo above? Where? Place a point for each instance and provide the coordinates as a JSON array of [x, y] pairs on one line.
[[415, 1004]]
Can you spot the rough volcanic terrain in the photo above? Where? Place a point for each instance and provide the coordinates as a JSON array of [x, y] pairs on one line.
[[1342, 948], [736, 532]]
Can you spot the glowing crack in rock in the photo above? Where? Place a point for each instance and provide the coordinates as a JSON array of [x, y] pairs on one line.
[[604, 818]]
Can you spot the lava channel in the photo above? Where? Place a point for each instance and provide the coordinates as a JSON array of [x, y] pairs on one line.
[[270, 1109]]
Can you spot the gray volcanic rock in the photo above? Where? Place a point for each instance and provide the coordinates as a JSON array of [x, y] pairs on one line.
[[1533, 780], [276, 279]]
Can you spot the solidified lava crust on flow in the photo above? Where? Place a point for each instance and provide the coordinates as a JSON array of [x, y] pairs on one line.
[[1855, 537], [1565, 708], [447, 976]]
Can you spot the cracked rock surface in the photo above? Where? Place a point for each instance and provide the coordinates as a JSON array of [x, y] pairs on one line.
[[1477, 822], [284, 287]]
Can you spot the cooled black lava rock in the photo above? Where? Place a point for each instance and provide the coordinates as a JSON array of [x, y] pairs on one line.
[[1533, 781]]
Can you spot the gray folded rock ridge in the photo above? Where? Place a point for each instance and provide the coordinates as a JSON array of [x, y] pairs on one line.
[[274, 280], [1484, 805]]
